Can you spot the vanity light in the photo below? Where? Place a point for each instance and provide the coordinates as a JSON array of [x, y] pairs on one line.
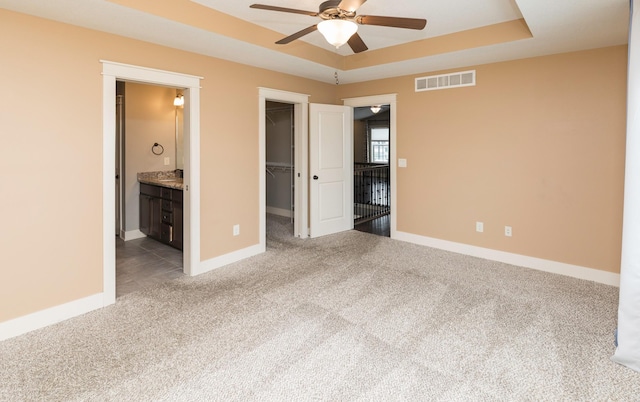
[[337, 32], [376, 109], [178, 100]]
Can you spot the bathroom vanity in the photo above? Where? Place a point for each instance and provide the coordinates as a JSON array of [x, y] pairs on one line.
[[161, 213]]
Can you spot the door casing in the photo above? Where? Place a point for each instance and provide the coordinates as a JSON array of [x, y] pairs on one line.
[[301, 141], [112, 71]]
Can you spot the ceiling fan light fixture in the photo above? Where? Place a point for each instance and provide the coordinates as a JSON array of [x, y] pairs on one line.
[[376, 109], [336, 31]]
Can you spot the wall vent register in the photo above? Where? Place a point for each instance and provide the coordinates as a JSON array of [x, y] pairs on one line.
[[444, 81]]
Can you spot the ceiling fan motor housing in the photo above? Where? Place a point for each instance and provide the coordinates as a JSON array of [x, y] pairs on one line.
[[329, 10]]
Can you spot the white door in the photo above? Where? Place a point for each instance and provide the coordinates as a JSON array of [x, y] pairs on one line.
[[330, 168]]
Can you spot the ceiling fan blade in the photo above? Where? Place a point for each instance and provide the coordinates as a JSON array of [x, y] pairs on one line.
[[394, 22], [283, 9], [356, 43], [297, 35], [350, 5]]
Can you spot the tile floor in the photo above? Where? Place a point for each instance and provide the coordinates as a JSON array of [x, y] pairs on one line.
[[144, 262]]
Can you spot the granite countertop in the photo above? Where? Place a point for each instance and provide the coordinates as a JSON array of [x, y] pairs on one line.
[[167, 179]]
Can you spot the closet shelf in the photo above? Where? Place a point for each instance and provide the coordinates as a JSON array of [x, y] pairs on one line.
[[278, 167]]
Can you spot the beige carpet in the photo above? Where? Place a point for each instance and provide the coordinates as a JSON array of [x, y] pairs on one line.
[[345, 317]]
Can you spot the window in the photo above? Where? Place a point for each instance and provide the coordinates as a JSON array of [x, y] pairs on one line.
[[380, 145]]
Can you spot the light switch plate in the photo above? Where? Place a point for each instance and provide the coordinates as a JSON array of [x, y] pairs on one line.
[[167, 161], [402, 162]]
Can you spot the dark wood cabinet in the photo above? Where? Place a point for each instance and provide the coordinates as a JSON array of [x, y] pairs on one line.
[[161, 214], [177, 224], [150, 209], [145, 214]]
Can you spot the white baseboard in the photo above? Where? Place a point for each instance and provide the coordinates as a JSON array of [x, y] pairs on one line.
[[280, 212], [575, 271], [133, 234], [221, 261], [50, 316]]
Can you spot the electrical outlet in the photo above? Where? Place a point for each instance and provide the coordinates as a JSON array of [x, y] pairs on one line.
[[236, 230], [479, 227], [507, 231], [167, 161]]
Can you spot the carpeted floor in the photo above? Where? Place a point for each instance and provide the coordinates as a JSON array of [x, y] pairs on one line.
[[344, 317]]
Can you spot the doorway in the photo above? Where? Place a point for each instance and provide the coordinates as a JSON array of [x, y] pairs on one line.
[[372, 178], [280, 159], [111, 72], [300, 141], [149, 139], [389, 101]]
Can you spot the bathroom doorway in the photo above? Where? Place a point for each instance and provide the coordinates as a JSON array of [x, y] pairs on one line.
[[149, 141]]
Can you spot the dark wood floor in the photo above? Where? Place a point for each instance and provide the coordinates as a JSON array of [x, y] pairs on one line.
[[379, 227]]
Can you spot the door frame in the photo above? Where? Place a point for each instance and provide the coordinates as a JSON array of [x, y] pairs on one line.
[[111, 72], [386, 99], [301, 143]]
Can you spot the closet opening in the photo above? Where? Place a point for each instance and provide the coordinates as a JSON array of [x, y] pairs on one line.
[[280, 165]]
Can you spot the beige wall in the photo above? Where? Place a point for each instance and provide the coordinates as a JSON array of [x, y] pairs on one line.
[[52, 242], [538, 144], [149, 119]]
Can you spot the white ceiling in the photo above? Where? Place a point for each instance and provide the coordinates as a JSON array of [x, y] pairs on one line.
[[443, 17], [557, 26]]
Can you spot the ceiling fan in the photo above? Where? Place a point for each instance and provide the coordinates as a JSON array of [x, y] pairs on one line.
[[340, 22]]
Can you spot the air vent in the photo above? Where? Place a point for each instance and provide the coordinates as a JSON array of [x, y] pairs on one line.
[[444, 81]]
